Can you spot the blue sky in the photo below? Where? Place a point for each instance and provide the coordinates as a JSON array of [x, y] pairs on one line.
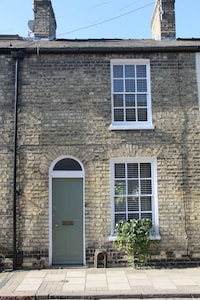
[[84, 19]]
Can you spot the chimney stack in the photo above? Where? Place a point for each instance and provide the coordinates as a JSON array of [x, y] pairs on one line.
[[44, 20], [163, 25]]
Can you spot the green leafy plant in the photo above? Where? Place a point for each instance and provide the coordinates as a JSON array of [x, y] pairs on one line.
[[133, 239]]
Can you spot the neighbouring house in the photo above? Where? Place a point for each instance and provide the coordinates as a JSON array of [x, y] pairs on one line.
[[94, 131]]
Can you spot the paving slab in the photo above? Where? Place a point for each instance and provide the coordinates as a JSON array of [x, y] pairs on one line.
[[93, 283]]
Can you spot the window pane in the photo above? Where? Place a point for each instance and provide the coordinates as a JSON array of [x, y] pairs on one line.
[[141, 85], [118, 100], [68, 164], [118, 86], [146, 187], [130, 114], [146, 203], [142, 114], [130, 71], [120, 217], [133, 187], [120, 204], [120, 170], [133, 204], [132, 216], [141, 71], [129, 85], [118, 71], [130, 100], [132, 170], [145, 170], [120, 187], [146, 216], [142, 100], [119, 115]]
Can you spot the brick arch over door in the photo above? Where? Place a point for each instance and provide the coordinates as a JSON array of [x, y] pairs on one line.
[[66, 212]]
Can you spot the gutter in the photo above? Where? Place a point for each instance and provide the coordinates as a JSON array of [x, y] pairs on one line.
[[114, 49], [16, 55], [38, 49]]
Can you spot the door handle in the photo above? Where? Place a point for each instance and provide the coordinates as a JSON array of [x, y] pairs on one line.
[[56, 225]]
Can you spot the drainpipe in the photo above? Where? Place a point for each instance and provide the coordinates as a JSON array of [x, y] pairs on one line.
[[16, 55]]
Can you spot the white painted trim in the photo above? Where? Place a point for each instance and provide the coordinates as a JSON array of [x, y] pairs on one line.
[[198, 75], [65, 174], [153, 162], [131, 127], [133, 61], [155, 200], [113, 238], [50, 221]]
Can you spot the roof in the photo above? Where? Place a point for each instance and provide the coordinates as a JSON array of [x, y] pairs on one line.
[[9, 43]]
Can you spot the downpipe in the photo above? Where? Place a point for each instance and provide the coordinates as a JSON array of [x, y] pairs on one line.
[[17, 55]]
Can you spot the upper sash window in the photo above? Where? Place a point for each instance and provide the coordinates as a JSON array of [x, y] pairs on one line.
[[131, 95]]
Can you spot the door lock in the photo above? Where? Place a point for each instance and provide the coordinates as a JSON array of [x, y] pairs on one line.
[[56, 225]]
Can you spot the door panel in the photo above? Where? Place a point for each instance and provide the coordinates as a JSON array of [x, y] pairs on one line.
[[67, 220]]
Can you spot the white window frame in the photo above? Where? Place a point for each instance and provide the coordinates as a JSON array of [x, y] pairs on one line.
[[152, 160], [129, 125]]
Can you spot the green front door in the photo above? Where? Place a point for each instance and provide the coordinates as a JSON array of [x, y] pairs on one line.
[[67, 220]]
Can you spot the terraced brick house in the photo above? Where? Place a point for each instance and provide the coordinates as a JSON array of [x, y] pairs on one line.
[[86, 122]]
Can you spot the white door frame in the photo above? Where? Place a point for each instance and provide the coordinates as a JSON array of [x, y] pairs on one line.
[[64, 174]]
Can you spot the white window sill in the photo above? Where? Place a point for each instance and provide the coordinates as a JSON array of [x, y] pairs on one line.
[[131, 127], [152, 238]]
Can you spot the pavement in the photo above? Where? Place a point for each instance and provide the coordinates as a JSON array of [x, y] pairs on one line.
[[100, 283]]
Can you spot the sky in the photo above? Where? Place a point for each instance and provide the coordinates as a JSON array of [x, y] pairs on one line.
[[83, 19]]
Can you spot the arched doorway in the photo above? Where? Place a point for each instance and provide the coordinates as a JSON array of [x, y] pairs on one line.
[[66, 216]]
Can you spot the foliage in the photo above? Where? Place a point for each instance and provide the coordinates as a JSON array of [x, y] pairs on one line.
[[133, 239]]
